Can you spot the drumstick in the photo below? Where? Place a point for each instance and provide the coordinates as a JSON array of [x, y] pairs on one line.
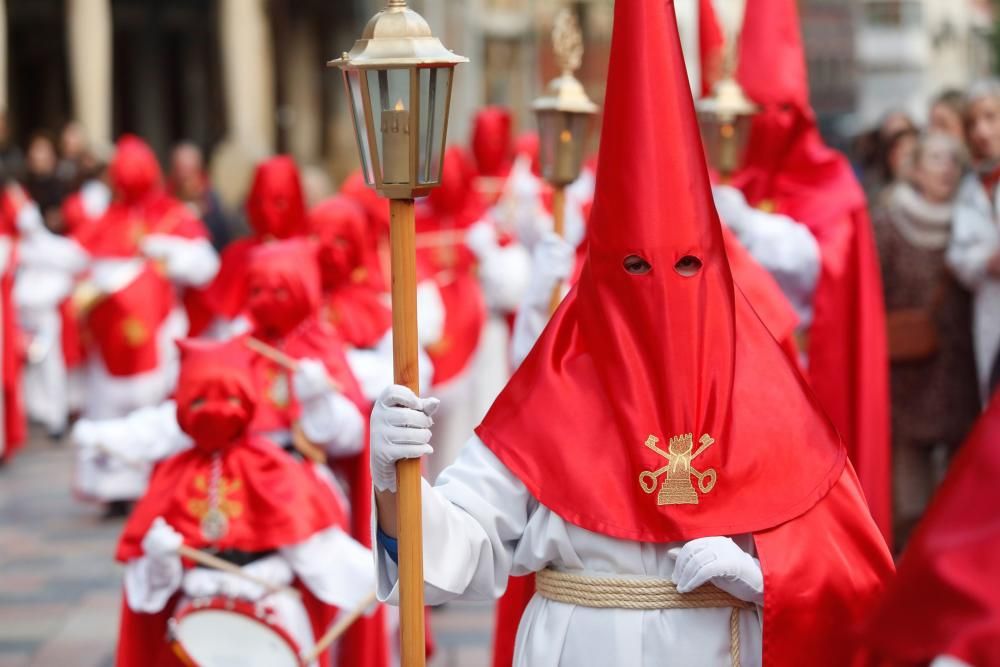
[[216, 563], [339, 628], [277, 356]]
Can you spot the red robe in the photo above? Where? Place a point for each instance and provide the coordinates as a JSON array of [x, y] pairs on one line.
[[692, 364], [791, 171], [15, 426], [946, 597]]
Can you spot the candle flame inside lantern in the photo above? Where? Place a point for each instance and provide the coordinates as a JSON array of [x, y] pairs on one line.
[[400, 106], [566, 136]]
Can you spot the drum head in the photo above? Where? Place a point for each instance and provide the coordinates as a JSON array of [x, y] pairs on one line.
[[220, 638]]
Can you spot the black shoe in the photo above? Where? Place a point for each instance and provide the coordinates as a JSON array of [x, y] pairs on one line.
[[117, 509]]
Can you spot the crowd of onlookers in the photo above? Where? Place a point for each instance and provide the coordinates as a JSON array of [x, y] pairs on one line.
[[932, 192]]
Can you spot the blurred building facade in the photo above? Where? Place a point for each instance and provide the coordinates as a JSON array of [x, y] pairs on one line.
[[908, 51]]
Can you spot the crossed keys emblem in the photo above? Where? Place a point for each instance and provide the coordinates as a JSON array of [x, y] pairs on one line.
[[677, 487]]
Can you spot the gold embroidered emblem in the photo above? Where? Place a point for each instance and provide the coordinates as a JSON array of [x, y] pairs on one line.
[[136, 333], [767, 205], [215, 510], [677, 487]]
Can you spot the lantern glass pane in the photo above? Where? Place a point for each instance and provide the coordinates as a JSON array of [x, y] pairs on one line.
[[561, 145], [435, 83], [390, 96], [725, 140], [352, 80]]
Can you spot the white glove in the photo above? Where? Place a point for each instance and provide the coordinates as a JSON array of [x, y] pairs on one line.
[[161, 540], [401, 429], [29, 219], [481, 239], [552, 264], [311, 380], [718, 560]]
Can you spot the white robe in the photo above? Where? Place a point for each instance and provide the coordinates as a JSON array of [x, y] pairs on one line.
[[975, 240], [481, 525]]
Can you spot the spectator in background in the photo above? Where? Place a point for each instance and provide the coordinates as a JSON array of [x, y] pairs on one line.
[[188, 181], [72, 151], [974, 251], [42, 182], [947, 115], [11, 157], [883, 151], [934, 394]]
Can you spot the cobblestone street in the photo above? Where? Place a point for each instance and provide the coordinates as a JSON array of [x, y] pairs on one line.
[[59, 584]]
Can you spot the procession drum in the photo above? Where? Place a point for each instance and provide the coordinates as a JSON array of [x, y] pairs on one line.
[[220, 631]]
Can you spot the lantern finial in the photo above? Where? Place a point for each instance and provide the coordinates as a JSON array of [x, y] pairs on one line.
[[567, 41]]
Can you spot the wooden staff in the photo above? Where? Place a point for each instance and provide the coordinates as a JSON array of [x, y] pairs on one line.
[[559, 227], [406, 372], [338, 628], [216, 563]]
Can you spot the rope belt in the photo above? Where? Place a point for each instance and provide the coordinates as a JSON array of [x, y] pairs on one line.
[[639, 593]]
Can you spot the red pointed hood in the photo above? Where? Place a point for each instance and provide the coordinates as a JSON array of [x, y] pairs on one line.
[[283, 285], [492, 141], [276, 206], [134, 171], [785, 153], [646, 395]]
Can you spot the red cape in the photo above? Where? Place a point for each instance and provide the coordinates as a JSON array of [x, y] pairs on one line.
[[790, 170], [946, 596], [271, 502]]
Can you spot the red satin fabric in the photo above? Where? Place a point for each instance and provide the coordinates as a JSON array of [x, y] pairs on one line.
[[15, 426], [946, 597], [124, 326], [790, 169], [279, 503], [276, 210], [452, 266], [352, 303], [492, 141], [822, 573], [711, 46], [581, 408]]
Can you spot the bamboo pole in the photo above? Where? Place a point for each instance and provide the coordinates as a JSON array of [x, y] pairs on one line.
[[559, 227], [405, 372], [342, 624]]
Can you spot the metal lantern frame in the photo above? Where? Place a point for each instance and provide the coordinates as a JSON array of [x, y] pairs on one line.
[[725, 120], [564, 112], [399, 79]]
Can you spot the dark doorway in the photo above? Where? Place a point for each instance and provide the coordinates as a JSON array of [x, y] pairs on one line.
[[167, 72]]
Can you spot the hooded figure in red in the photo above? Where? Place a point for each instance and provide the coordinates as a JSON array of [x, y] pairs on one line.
[[141, 206], [656, 410], [791, 171], [945, 599], [283, 298], [13, 424], [264, 500], [454, 206], [276, 211], [351, 303]]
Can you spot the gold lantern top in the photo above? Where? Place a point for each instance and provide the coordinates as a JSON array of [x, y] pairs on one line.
[[727, 102], [565, 93], [397, 37]]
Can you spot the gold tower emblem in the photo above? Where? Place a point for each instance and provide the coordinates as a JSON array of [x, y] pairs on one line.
[[677, 487]]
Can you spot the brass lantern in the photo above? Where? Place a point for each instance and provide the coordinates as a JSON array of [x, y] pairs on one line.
[[399, 78], [724, 118], [564, 112]]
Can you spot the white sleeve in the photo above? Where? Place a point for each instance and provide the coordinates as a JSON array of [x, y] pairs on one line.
[[529, 324], [473, 519], [189, 262], [43, 249], [332, 421], [148, 434], [430, 313], [151, 582], [504, 273], [784, 247], [334, 567], [973, 244]]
